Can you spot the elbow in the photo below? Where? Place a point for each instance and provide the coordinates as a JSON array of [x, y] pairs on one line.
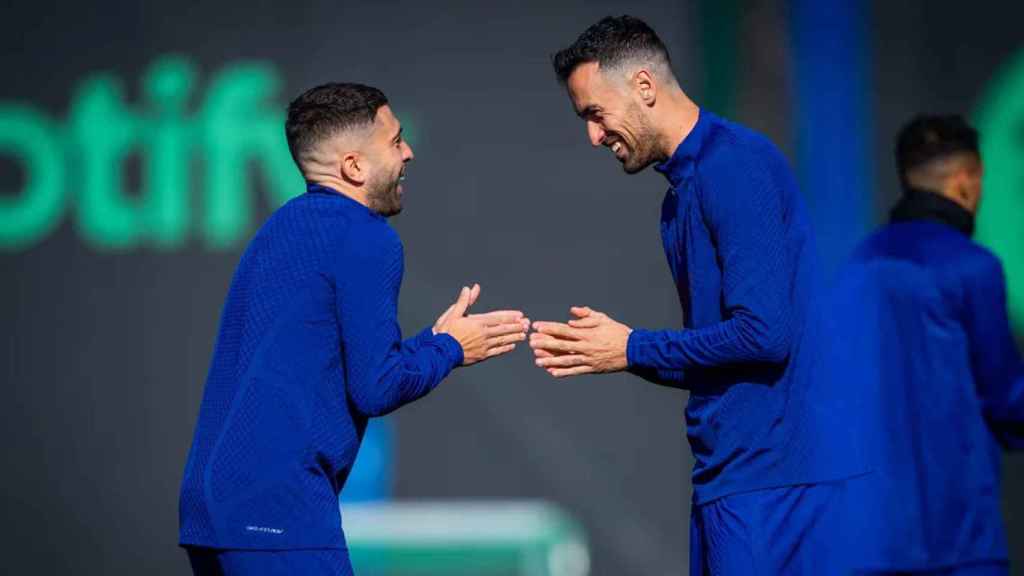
[[371, 405], [372, 398], [767, 341], [773, 351]]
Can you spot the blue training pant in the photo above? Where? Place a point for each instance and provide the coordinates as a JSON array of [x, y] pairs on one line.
[[214, 562], [811, 529], [978, 569], [793, 530]]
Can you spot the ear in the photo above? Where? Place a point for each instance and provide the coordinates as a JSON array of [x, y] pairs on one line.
[[961, 187], [353, 168], [974, 185], [645, 86]]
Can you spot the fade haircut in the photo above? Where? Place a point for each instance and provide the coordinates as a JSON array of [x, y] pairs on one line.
[[926, 140], [613, 43], [329, 110]]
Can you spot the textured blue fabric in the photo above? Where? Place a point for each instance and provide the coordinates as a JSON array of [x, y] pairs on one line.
[[742, 254], [308, 349], [213, 562], [919, 326], [788, 531], [1001, 568]]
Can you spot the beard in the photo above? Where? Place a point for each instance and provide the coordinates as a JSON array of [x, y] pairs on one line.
[[383, 195], [642, 153]]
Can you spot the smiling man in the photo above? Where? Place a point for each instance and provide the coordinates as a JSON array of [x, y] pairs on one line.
[[769, 471], [309, 349]]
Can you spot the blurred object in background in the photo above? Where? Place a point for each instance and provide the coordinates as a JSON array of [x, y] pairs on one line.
[[464, 538], [372, 476], [999, 117]]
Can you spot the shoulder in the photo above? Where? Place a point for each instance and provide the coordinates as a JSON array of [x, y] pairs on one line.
[[980, 264], [943, 249], [370, 239], [729, 145], [742, 172], [735, 160]]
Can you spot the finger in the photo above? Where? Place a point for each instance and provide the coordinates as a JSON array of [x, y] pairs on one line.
[[557, 329], [575, 371], [542, 353], [566, 361], [586, 322], [526, 324], [502, 329], [552, 344], [581, 311], [500, 350], [444, 316], [460, 306], [506, 339], [499, 316], [474, 293]]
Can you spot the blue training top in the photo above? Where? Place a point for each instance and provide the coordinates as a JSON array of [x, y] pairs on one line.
[[741, 251], [919, 315], [308, 349]]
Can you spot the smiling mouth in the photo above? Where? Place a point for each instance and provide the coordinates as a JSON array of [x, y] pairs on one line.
[[618, 148]]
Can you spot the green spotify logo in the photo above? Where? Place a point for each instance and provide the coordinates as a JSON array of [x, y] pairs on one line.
[[1000, 120], [194, 154]]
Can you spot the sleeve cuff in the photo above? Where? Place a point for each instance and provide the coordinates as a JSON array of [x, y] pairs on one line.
[[423, 336], [635, 347], [451, 348]]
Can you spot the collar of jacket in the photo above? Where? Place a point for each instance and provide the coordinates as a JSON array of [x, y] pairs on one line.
[[918, 204], [679, 166]]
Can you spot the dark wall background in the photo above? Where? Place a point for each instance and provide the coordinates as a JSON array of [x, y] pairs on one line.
[[103, 355]]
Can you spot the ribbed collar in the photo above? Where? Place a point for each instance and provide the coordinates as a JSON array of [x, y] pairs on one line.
[[679, 166], [925, 205]]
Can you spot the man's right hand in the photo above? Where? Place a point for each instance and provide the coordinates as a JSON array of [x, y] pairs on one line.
[[481, 336]]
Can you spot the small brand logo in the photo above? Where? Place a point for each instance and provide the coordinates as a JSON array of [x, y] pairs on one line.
[[264, 529]]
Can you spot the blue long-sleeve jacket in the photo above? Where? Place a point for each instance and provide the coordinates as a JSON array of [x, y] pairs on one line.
[[920, 329], [308, 349], [742, 254]]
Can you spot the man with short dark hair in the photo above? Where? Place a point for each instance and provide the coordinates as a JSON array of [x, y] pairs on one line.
[[769, 469], [919, 325], [309, 349]]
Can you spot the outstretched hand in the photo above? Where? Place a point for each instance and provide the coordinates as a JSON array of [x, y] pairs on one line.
[[591, 343], [481, 336]]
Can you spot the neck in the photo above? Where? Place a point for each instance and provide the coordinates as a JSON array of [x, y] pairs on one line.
[[676, 122], [343, 187]]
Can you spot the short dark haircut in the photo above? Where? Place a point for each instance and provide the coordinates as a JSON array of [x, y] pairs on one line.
[[611, 42], [327, 110], [926, 139]]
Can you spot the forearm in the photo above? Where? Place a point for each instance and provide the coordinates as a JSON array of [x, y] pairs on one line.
[[1005, 414], [661, 377], [727, 343], [403, 377]]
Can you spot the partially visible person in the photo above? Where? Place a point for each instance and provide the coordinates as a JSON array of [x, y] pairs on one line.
[[918, 323], [309, 349]]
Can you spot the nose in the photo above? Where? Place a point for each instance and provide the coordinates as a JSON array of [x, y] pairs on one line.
[[407, 154], [595, 132]]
